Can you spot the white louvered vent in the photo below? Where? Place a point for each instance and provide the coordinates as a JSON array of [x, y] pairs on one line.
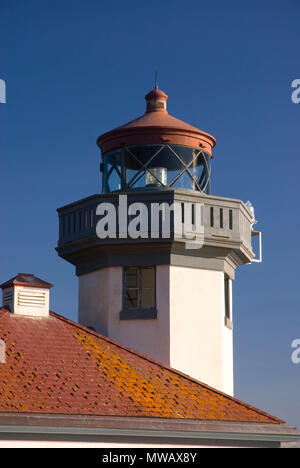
[[31, 298], [31, 301]]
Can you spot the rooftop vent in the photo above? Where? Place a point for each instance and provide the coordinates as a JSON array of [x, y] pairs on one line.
[[25, 294]]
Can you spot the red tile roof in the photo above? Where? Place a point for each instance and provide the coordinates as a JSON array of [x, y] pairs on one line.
[[54, 365]]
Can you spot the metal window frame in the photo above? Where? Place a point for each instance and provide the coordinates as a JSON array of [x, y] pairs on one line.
[[145, 167], [139, 289]]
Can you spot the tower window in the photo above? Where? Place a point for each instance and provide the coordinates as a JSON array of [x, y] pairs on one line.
[[139, 293], [227, 301]]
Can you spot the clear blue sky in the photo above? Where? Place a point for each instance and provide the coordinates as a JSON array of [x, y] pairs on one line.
[[75, 69]]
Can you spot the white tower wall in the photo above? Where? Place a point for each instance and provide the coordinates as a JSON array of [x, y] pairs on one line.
[[189, 333]]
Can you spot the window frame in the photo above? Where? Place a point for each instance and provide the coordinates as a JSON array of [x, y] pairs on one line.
[[138, 312]]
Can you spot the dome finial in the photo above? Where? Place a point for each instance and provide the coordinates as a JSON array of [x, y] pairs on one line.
[[156, 99]]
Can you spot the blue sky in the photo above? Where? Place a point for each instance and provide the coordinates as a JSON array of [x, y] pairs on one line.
[[75, 69]]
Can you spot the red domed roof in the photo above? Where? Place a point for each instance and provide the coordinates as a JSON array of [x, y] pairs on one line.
[[156, 126], [156, 94]]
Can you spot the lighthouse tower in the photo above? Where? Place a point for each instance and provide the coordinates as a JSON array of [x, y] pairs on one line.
[[146, 287]]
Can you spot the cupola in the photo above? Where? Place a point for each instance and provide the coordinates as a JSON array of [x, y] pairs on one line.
[[25, 294]]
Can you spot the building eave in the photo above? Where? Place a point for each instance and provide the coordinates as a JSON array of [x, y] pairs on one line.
[[83, 426]]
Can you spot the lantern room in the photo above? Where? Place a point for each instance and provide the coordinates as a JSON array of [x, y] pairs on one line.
[[155, 152]]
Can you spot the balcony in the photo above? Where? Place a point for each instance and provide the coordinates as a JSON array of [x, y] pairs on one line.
[[227, 226]]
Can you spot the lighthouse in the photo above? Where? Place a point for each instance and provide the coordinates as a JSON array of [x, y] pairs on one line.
[[155, 291]]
